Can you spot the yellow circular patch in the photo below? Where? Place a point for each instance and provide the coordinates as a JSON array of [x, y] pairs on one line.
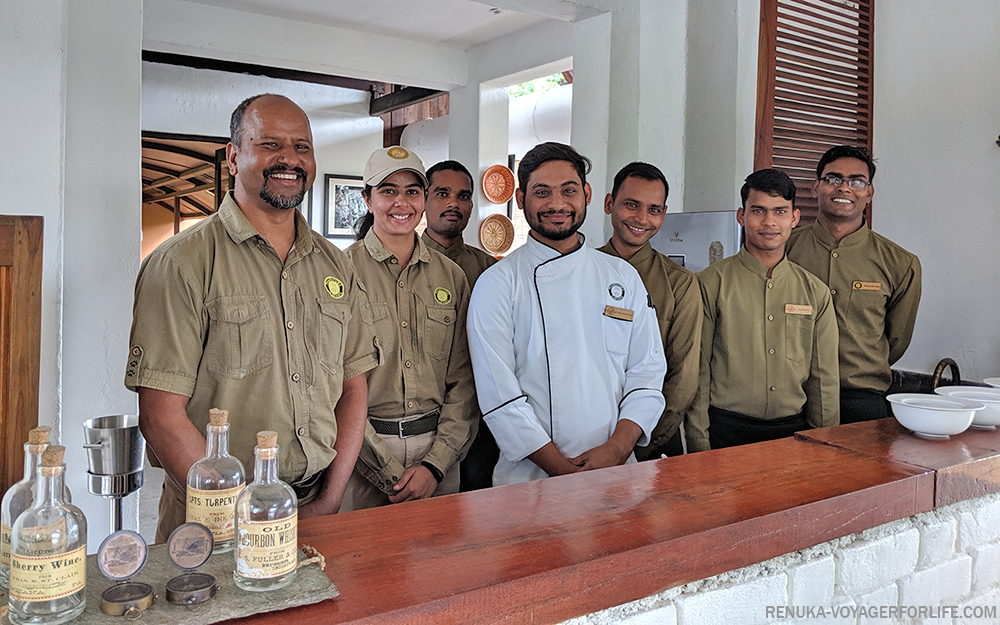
[[442, 295], [398, 153], [334, 287]]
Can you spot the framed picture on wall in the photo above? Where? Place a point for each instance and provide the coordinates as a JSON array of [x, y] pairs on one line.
[[343, 205]]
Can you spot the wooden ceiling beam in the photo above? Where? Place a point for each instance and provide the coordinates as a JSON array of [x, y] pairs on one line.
[[401, 99], [184, 175]]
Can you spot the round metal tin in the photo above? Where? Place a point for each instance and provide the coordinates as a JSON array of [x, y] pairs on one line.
[[121, 555], [190, 545], [128, 599], [191, 588]]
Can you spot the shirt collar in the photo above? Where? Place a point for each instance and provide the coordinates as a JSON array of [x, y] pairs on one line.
[[240, 229], [452, 252], [542, 252], [645, 253], [827, 240], [381, 254], [752, 264]]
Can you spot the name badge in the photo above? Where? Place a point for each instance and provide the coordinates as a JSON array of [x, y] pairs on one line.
[[867, 286], [798, 309], [618, 313]]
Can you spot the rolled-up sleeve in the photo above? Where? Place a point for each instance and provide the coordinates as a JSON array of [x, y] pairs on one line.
[[491, 345]]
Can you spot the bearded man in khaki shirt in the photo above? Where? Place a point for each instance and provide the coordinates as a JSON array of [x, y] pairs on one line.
[[252, 312], [875, 283], [448, 209], [637, 202], [769, 338]]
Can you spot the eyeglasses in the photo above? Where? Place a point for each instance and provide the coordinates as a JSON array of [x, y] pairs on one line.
[[855, 183]]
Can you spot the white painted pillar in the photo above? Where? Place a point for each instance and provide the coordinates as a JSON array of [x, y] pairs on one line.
[[102, 229]]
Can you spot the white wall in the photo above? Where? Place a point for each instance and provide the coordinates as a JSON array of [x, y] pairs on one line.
[[937, 116], [199, 101]]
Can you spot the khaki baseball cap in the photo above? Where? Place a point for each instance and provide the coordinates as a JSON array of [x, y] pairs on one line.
[[384, 162]]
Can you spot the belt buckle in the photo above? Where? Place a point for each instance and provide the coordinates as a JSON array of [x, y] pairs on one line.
[[401, 435]]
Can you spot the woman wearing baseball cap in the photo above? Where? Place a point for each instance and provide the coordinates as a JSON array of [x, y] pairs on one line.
[[421, 397]]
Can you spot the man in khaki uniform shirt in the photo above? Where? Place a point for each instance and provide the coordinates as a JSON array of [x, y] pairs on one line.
[[252, 312], [421, 397], [769, 339], [875, 283], [448, 209], [636, 204]]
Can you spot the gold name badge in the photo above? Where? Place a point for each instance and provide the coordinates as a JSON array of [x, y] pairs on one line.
[[867, 286], [618, 313], [798, 309]]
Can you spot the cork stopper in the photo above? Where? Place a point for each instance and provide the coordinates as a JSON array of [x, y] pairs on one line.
[[267, 443], [266, 439], [39, 435], [52, 460], [218, 418]]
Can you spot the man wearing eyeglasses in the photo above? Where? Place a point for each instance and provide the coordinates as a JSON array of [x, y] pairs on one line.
[[874, 282]]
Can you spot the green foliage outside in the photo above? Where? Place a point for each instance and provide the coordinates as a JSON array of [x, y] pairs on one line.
[[538, 85]]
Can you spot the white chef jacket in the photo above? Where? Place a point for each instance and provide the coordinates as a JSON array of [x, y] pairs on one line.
[[550, 363]]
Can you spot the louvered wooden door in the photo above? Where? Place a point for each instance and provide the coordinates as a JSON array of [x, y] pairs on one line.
[[814, 88]]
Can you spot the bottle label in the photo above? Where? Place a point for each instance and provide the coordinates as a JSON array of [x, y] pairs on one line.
[[44, 578], [215, 509], [44, 540], [5, 545], [267, 549]]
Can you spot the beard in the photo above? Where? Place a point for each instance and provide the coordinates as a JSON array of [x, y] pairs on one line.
[[554, 234], [283, 202]]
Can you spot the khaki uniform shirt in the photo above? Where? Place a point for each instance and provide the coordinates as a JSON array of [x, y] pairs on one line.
[[218, 318], [419, 315], [876, 289], [768, 345], [472, 260], [677, 299]]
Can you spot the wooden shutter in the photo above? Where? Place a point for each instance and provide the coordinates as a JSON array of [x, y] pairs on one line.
[[814, 86]]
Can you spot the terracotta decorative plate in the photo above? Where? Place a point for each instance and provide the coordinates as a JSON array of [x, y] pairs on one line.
[[498, 184], [496, 234]]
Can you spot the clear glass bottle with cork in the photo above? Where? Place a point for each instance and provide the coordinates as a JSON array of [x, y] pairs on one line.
[[21, 495], [266, 524], [48, 556], [214, 482]]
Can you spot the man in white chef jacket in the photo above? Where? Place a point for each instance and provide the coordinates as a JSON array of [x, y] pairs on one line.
[[567, 357]]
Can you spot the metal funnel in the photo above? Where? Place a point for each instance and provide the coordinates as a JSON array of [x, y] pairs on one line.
[[116, 453]]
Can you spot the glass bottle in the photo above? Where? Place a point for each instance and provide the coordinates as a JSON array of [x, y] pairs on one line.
[[266, 524], [48, 563], [214, 482], [21, 495]]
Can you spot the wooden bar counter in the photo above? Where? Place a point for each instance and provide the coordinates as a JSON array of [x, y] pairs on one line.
[[563, 547]]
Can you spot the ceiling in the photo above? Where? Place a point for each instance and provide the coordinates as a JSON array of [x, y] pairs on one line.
[[454, 23], [181, 168]]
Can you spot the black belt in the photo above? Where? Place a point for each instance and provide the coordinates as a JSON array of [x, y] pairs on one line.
[[407, 427]]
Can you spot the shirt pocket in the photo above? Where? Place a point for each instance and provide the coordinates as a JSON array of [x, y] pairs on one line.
[[378, 316], [239, 338], [798, 338], [617, 333], [866, 313], [439, 331], [333, 318]]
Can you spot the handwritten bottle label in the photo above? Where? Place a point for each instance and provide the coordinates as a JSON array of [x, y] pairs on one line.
[[215, 509], [5, 545], [44, 578], [267, 549]]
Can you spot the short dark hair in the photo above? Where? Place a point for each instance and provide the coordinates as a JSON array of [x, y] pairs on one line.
[[450, 166], [551, 151], [639, 170], [236, 121], [770, 181], [846, 151]]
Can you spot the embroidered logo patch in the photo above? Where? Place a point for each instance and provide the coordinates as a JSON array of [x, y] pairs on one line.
[[442, 295], [616, 291], [334, 287], [397, 153]]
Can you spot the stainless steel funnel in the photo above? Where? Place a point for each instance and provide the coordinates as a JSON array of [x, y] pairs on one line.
[[116, 453]]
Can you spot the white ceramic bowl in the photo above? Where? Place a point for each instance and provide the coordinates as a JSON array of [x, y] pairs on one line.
[[988, 417], [993, 381], [933, 416]]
